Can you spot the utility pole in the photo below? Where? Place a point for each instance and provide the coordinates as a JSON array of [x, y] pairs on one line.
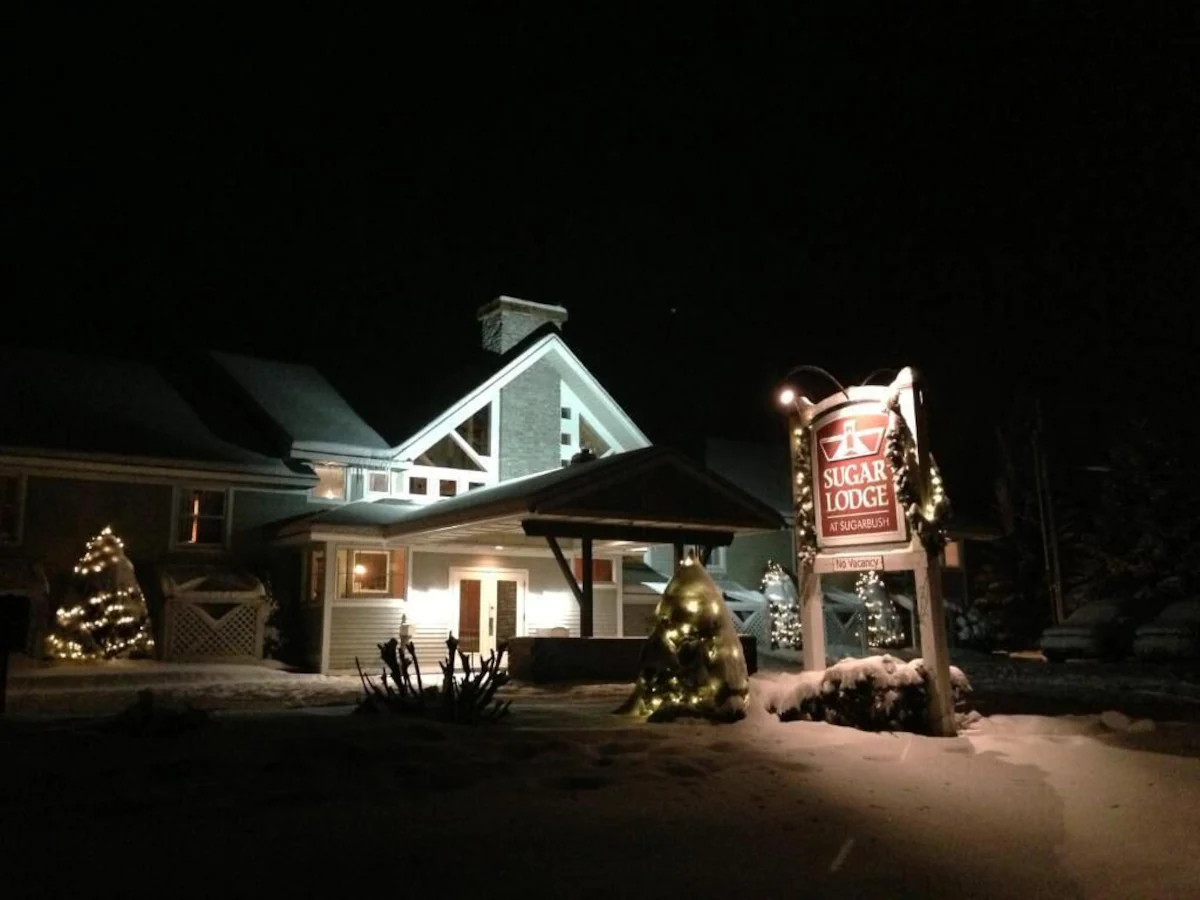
[[1045, 498]]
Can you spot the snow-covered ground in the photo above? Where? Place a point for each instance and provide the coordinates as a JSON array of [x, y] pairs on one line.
[[568, 800]]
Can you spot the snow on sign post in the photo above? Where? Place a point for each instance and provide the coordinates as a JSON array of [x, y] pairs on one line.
[[868, 497]]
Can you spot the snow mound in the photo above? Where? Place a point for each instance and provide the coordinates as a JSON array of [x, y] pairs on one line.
[[876, 693]]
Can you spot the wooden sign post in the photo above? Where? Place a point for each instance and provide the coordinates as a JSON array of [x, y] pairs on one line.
[[867, 497]]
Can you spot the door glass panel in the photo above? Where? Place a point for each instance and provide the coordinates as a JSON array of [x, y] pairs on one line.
[[506, 610], [469, 592]]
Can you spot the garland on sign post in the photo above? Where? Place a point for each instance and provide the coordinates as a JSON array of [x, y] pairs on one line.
[[802, 493], [926, 506]]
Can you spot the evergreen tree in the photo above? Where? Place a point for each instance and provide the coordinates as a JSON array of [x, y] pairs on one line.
[[783, 605], [112, 620], [884, 627]]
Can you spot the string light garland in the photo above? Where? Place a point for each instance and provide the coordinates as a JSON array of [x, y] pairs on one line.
[[802, 493], [925, 506], [783, 606], [113, 621]]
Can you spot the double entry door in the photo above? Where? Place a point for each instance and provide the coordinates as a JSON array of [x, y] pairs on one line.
[[491, 607]]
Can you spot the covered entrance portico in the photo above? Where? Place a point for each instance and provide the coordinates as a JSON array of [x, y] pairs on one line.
[[536, 556]]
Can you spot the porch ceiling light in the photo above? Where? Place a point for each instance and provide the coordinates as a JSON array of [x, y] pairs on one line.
[[787, 396]]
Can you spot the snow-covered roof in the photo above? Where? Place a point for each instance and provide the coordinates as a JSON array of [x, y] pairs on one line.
[[650, 487], [302, 403], [74, 404]]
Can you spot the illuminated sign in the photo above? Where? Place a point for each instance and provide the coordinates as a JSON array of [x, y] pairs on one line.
[[853, 492]]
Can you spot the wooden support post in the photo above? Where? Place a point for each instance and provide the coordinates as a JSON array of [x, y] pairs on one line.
[[931, 613], [328, 593], [3, 672], [678, 557], [587, 607], [705, 554], [567, 574], [931, 609], [812, 619]]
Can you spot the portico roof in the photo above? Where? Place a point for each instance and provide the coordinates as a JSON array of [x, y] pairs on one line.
[[653, 495]]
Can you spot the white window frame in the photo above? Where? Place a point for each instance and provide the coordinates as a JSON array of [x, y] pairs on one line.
[[347, 589], [19, 537], [371, 474], [176, 514]]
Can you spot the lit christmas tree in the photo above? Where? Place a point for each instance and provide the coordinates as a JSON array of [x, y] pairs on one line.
[[783, 605], [884, 628], [692, 664], [112, 620]]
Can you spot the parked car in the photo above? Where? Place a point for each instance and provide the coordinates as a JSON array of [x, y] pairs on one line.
[[1102, 629], [1173, 634]]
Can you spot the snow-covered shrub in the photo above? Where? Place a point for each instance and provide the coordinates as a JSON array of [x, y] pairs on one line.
[[878, 693]]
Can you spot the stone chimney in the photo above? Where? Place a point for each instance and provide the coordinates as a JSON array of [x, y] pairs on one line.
[[506, 321]]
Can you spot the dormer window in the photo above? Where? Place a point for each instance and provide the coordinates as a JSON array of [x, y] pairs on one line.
[[331, 482]]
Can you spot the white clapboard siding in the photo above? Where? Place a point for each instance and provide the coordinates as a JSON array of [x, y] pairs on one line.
[[551, 609], [604, 612], [638, 618], [357, 631], [429, 643]]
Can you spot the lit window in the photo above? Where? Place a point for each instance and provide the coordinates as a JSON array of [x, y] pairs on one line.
[[448, 454], [379, 482], [952, 555], [418, 486], [201, 518], [10, 509], [477, 431], [331, 482], [590, 438], [369, 570], [447, 488], [602, 570]]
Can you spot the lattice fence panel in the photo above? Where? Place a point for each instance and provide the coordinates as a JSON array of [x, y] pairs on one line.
[[196, 634], [753, 619]]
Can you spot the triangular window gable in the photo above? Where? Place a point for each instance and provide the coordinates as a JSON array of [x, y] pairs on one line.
[[580, 428], [449, 454], [468, 446], [476, 431]]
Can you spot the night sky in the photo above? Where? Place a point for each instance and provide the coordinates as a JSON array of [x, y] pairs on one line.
[[998, 198]]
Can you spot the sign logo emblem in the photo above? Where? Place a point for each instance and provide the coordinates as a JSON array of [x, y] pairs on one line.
[[852, 443]]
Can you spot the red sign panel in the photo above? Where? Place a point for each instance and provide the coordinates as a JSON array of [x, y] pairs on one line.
[[853, 492]]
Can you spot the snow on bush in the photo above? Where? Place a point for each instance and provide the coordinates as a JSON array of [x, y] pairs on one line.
[[877, 693]]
